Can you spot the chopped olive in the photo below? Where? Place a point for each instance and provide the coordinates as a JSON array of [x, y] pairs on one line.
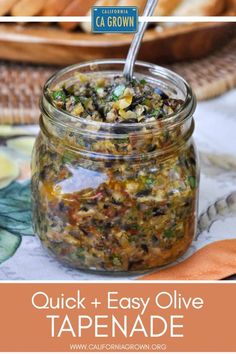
[[155, 240], [158, 211], [131, 120], [161, 93], [120, 130], [143, 193], [151, 148], [144, 247]]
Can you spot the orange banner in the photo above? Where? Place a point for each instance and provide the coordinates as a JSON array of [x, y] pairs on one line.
[[142, 317]]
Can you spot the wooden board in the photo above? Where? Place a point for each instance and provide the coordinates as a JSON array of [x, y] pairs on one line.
[[51, 45]]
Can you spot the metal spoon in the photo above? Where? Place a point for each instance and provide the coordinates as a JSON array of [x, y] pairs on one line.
[[136, 42]]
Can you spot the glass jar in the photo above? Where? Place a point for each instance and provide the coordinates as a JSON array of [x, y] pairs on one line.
[[116, 197]]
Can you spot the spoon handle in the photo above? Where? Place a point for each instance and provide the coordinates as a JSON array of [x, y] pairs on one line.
[[136, 42]]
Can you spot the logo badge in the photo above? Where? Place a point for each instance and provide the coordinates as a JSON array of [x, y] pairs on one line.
[[114, 19]]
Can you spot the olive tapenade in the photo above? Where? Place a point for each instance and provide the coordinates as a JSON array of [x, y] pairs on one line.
[[108, 199], [113, 100]]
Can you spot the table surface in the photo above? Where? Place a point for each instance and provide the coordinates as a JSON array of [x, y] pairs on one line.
[[215, 135]]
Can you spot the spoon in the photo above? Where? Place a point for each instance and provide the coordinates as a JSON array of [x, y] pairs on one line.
[[136, 42]]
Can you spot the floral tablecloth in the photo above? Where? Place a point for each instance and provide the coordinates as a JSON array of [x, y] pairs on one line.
[[21, 255]]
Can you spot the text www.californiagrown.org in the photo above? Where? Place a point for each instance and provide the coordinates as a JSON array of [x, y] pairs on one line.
[[117, 347]]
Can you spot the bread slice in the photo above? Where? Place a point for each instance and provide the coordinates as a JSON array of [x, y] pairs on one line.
[[54, 7], [230, 7], [87, 26], [166, 7], [28, 7], [6, 5], [139, 3], [76, 8], [199, 8]]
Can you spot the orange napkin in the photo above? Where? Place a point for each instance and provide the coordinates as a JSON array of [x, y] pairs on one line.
[[212, 262]]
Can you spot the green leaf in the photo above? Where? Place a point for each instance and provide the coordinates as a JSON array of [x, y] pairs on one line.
[[192, 182], [15, 209], [59, 95], [168, 233], [119, 90], [8, 244], [150, 182], [143, 82]]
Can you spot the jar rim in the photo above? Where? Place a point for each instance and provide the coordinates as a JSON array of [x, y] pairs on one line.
[[186, 110]]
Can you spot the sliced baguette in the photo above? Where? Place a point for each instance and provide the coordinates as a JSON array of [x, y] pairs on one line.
[[6, 5], [105, 3], [54, 7], [166, 7], [28, 7], [139, 3], [199, 8], [76, 8], [87, 26], [231, 7]]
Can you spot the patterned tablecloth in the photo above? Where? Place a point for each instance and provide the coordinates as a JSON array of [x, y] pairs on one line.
[[22, 257]]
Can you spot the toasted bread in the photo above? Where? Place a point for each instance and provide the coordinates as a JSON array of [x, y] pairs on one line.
[[231, 7], [28, 7], [76, 8], [87, 26], [200, 8], [139, 3], [166, 7], [104, 3], [54, 7], [6, 5]]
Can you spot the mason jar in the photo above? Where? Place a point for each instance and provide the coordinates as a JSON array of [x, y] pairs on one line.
[[116, 197]]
